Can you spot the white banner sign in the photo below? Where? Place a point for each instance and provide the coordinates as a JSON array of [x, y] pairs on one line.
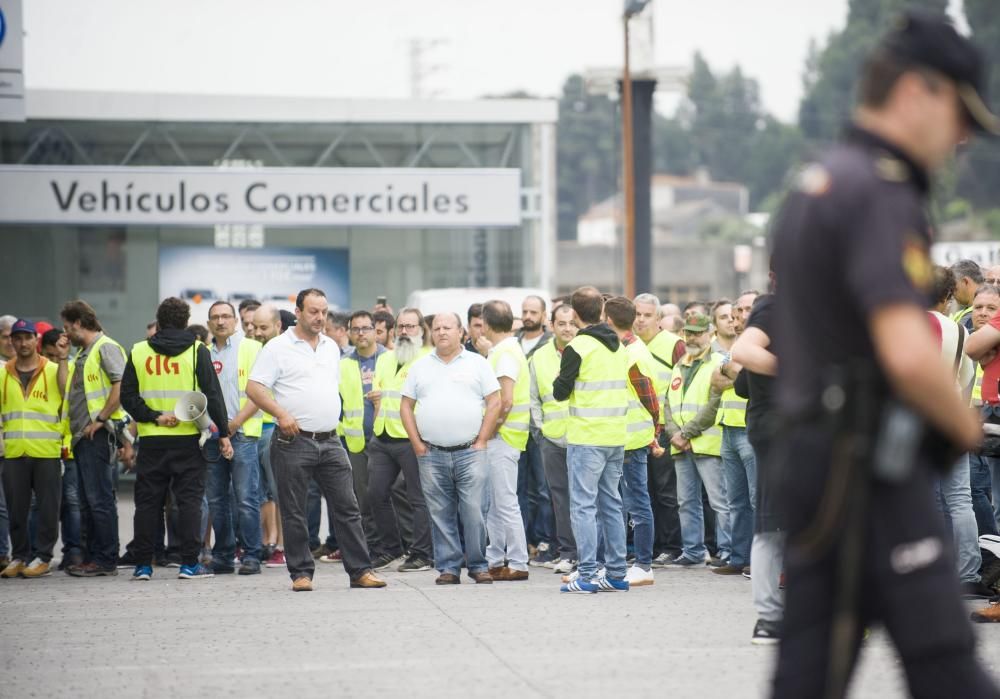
[[202, 196], [986, 253], [11, 61]]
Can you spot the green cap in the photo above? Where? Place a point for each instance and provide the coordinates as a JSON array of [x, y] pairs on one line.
[[697, 323]]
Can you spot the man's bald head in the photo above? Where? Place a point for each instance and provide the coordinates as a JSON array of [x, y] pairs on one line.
[[266, 323]]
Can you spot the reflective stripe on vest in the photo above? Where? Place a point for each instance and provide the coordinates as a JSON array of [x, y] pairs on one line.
[[661, 349], [96, 384], [32, 423], [597, 417], [352, 417], [732, 409], [977, 388], [514, 430], [389, 380], [685, 405], [162, 380], [639, 423], [546, 361]]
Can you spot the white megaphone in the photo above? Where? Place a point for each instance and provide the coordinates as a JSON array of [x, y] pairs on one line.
[[193, 407]]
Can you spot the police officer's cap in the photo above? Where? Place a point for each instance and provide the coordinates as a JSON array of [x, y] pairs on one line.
[[929, 39]]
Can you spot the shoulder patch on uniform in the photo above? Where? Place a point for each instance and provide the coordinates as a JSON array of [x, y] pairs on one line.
[[917, 263], [814, 180], [891, 169]]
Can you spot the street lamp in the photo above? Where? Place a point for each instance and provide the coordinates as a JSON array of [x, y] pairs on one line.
[[632, 7]]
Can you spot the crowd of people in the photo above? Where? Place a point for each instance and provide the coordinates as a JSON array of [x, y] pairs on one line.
[[596, 437]]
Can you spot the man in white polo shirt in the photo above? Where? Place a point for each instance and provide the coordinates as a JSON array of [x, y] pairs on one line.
[[301, 369], [459, 402]]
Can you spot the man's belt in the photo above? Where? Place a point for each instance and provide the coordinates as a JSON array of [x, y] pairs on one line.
[[319, 436], [457, 447]]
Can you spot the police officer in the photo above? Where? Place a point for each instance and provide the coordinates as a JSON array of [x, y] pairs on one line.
[[159, 371], [870, 412]]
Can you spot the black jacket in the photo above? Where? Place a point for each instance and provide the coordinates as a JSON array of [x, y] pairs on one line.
[[173, 343], [569, 368]]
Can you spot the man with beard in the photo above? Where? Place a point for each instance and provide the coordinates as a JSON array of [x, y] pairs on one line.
[[390, 452], [741, 310], [267, 325]]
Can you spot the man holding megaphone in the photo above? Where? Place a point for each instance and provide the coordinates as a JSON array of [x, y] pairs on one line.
[[170, 366]]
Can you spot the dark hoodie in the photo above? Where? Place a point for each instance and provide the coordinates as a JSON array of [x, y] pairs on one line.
[[172, 343], [569, 368]]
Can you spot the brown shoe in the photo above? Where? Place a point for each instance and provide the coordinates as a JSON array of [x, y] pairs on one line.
[[303, 584], [447, 579], [990, 614], [482, 578], [497, 572], [506, 574], [368, 580], [728, 570]]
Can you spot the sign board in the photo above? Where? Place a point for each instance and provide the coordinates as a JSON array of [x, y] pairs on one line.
[[204, 196], [985, 253], [11, 61]]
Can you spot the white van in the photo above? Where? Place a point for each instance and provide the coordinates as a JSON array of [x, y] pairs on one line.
[[458, 299]]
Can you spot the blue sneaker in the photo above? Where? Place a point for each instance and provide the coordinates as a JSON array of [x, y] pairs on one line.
[[142, 573], [195, 572], [579, 587], [605, 584]]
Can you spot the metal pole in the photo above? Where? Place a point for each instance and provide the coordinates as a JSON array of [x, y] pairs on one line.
[[628, 175]]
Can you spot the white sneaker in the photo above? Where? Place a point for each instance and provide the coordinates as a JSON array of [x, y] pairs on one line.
[[576, 574], [563, 566], [637, 577]]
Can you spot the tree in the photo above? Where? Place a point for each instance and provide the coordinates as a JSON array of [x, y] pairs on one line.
[[979, 170]]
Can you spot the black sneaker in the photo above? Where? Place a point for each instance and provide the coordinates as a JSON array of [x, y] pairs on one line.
[[716, 562], [684, 562], [173, 560], [127, 561], [249, 566], [415, 564], [219, 568], [545, 554], [384, 560], [766, 633]]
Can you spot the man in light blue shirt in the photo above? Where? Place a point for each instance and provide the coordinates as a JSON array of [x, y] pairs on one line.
[[459, 399]]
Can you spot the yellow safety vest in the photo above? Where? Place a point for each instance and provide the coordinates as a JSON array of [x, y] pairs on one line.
[[977, 388], [598, 404], [732, 409], [959, 315], [162, 380], [684, 405], [352, 413], [662, 350], [249, 349], [32, 422], [555, 413], [514, 430], [96, 384], [389, 380], [639, 428]]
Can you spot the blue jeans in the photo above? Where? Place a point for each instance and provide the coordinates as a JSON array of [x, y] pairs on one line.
[[454, 485], [739, 464], [533, 496], [635, 497], [70, 511], [692, 471], [595, 504], [4, 519], [981, 484], [243, 471], [98, 509], [955, 500]]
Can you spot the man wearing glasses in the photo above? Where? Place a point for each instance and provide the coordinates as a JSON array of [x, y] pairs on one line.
[[233, 356]]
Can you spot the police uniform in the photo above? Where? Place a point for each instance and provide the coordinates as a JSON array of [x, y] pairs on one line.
[[854, 231]]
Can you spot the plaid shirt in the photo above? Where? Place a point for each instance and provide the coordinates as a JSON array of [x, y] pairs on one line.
[[643, 387]]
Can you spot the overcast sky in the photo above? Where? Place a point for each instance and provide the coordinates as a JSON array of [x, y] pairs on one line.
[[362, 48]]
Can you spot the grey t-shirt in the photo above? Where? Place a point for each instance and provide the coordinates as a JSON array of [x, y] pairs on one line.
[[112, 361]]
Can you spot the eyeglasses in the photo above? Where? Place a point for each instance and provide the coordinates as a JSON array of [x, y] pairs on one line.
[[363, 331], [992, 282], [216, 319], [407, 328]]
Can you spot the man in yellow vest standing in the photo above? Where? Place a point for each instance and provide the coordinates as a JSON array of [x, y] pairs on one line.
[[233, 356], [642, 428], [159, 371], [390, 452], [93, 400], [31, 391], [552, 417], [507, 552], [593, 377], [696, 442], [666, 349]]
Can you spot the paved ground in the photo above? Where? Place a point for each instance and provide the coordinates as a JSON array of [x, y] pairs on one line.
[[687, 636]]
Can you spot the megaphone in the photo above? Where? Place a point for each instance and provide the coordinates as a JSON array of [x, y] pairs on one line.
[[193, 407]]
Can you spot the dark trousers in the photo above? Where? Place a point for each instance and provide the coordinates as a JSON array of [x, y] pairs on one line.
[[179, 469], [99, 509], [557, 475], [663, 498], [386, 460], [296, 462], [533, 495], [23, 476], [359, 469], [908, 580]]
